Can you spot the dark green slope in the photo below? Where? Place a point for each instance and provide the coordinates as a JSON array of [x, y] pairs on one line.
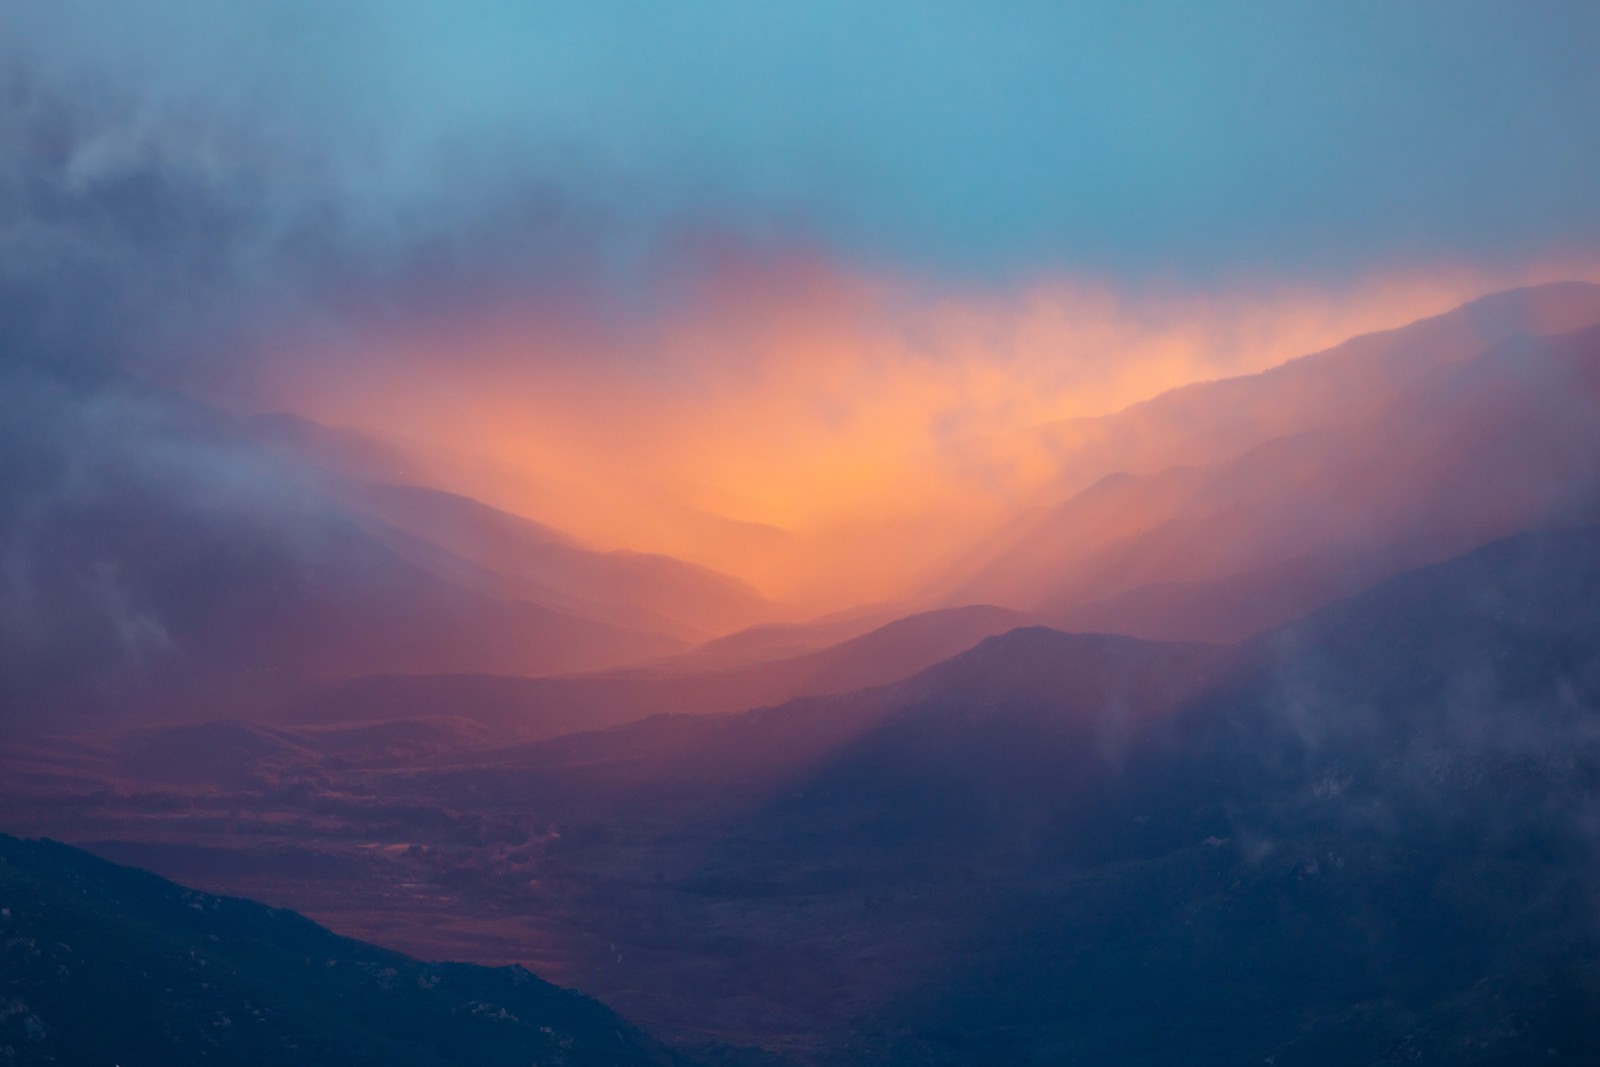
[[102, 964]]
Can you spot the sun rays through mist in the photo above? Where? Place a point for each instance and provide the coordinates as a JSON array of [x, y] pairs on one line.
[[831, 437]]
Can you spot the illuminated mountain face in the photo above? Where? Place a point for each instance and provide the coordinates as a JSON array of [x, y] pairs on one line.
[[159, 546], [851, 533]]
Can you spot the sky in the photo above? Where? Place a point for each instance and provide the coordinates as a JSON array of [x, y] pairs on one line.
[[648, 269], [1145, 139]]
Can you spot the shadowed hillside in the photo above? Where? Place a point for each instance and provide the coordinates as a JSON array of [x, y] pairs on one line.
[[1366, 836], [159, 557], [106, 964], [688, 684]]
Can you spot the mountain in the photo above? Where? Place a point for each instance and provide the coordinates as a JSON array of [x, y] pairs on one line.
[[1364, 837], [638, 590], [106, 964], [340, 450], [692, 683], [158, 556], [1374, 844], [785, 640], [1213, 421], [1356, 824], [828, 748], [1462, 454]]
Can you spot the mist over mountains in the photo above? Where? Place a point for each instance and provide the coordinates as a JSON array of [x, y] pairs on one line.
[[1264, 729], [1368, 834], [131, 507], [1456, 456], [104, 963], [795, 536]]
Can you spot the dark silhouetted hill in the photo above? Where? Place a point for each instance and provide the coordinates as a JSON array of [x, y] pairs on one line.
[[106, 964]]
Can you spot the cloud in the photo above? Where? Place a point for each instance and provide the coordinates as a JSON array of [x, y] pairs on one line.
[[740, 284], [1139, 138], [881, 423], [150, 237]]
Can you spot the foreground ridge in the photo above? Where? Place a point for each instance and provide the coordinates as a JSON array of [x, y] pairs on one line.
[[101, 963]]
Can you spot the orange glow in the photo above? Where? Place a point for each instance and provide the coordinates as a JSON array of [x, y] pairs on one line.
[[834, 438]]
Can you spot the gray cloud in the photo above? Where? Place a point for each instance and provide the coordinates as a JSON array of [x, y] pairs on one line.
[[1153, 137]]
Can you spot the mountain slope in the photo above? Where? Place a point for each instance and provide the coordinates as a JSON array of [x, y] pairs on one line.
[[1463, 455], [1366, 837], [106, 964], [1213, 422], [154, 552], [1209, 422], [1371, 843], [541, 707], [639, 590]]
